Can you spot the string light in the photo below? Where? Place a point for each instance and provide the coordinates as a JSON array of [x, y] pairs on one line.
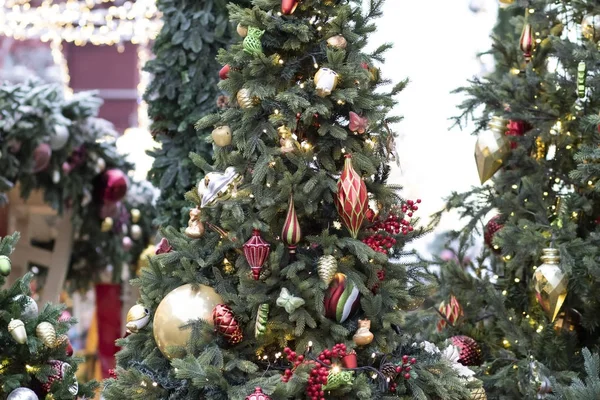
[[144, 54]]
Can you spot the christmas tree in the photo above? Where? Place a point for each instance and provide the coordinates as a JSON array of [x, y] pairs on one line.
[[290, 280], [529, 299], [36, 356], [184, 89]]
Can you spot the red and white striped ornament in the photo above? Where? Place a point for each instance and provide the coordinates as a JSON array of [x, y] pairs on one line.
[[352, 198], [291, 232], [256, 251]]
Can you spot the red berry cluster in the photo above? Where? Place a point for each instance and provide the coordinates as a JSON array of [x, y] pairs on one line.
[[406, 368], [380, 243], [293, 358], [112, 373], [381, 277], [320, 372], [383, 239]]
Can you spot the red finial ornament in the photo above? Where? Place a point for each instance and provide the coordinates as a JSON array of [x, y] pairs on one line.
[[352, 198], [256, 251], [291, 233], [289, 6], [526, 42], [258, 395]]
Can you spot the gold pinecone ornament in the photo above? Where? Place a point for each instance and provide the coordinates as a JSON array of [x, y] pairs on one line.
[[327, 267], [478, 394]]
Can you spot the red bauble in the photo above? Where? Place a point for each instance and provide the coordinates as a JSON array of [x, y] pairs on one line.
[[256, 251], [258, 395], [470, 352], [291, 232], [226, 324], [69, 349], [113, 185], [289, 6], [224, 72], [41, 157], [60, 369], [491, 228], [517, 128], [352, 198]]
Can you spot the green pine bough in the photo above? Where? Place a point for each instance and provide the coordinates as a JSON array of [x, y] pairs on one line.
[[242, 299], [529, 298], [57, 145]]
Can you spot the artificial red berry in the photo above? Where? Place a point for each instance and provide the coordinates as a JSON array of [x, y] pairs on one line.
[[407, 369], [413, 360], [407, 376], [404, 359]]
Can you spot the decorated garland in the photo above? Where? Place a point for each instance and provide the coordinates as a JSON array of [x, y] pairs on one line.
[[57, 145]]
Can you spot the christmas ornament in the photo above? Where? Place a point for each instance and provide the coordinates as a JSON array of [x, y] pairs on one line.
[[228, 267], [491, 149], [60, 371], [218, 186], [126, 243], [107, 224], [224, 72], [5, 266], [288, 301], [195, 228], [291, 232], [470, 352], [55, 176], [144, 258], [163, 247], [59, 138], [242, 30], [22, 394], [64, 340], [452, 311], [478, 394], [46, 333], [490, 230], [568, 321], [262, 316], [136, 232], [581, 78], [30, 309], [135, 215], [181, 306], [86, 198], [258, 395], [338, 379], [326, 81], [113, 185], [363, 335], [352, 198], [590, 27], [516, 128], [550, 283], [358, 124], [16, 328], [337, 41], [251, 43], [289, 6], [222, 135], [41, 157], [341, 299], [526, 42], [138, 317], [100, 165], [389, 371], [256, 251], [327, 267], [245, 99], [226, 324]]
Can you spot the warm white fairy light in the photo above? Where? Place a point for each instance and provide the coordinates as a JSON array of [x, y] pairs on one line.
[[59, 59]]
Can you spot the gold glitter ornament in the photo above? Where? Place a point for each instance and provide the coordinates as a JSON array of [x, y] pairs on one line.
[[46, 333], [492, 149], [550, 283], [245, 99]]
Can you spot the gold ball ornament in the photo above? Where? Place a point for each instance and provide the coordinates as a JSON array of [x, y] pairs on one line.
[[138, 317], [245, 99], [242, 30], [144, 260], [326, 80], [107, 224], [363, 335], [135, 215], [16, 328], [5, 266], [47, 334], [338, 41], [222, 136], [590, 27], [178, 308]]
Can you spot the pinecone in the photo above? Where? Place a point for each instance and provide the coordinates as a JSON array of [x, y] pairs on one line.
[[478, 394], [470, 352], [327, 267], [491, 228], [389, 371], [226, 324]]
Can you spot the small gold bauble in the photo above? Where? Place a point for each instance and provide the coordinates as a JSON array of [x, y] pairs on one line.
[[107, 224], [245, 99], [137, 318], [242, 30], [363, 335], [222, 136], [178, 308], [135, 215], [144, 260], [16, 328], [338, 41], [46, 333]]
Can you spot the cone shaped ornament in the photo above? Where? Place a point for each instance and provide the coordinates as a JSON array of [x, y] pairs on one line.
[[550, 283], [526, 42], [491, 149], [291, 232], [226, 324], [256, 251], [327, 267], [352, 198]]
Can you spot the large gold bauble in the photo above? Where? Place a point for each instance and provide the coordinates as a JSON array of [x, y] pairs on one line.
[[178, 308], [590, 27]]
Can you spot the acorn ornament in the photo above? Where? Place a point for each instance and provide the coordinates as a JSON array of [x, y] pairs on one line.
[[135, 215], [16, 328], [327, 267], [5, 266], [363, 335], [221, 135], [46, 333], [262, 317], [138, 317], [289, 6], [107, 224], [326, 80], [195, 228]]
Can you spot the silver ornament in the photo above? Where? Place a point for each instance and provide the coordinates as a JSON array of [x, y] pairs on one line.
[[59, 138], [22, 394], [30, 310]]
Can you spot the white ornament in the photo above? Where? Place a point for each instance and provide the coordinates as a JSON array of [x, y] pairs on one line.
[[59, 138], [100, 165], [22, 394], [55, 176], [30, 311], [136, 232]]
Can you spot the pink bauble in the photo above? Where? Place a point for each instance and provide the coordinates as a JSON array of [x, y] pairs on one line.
[[113, 185], [447, 255], [127, 243], [65, 316], [41, 157]]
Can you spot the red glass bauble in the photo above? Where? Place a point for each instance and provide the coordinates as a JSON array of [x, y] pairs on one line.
[[289, 6], [113, 185]]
